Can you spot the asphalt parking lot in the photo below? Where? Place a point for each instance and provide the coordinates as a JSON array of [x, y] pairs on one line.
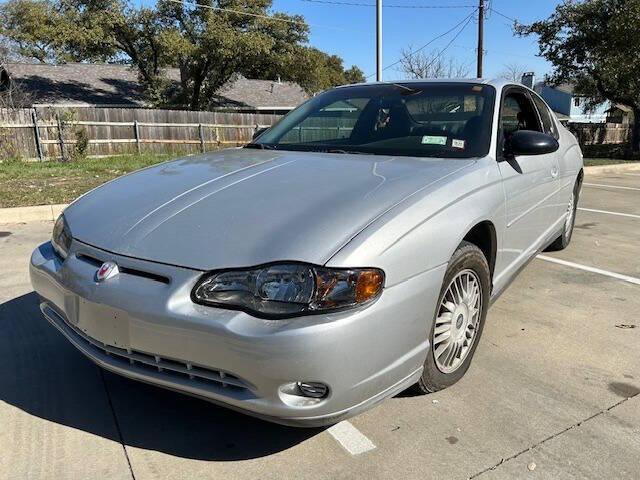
[[553, 391]]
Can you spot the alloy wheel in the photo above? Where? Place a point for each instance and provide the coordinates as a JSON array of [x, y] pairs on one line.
[[571, 212], [457, 321]]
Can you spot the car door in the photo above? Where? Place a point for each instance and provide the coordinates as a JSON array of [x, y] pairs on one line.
[[529, 182], [563, 192]]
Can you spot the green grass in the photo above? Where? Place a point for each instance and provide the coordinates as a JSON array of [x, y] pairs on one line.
[[52, 182], [592, 162], [43, 183]]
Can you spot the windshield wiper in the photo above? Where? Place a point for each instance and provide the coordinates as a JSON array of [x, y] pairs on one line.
[[340, 150], [260, 146], [302, 148]]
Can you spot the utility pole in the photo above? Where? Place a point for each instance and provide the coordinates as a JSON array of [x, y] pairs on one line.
[[481, 7], [378, 40]]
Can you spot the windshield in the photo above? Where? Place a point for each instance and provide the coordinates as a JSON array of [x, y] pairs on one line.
[[449, 120]]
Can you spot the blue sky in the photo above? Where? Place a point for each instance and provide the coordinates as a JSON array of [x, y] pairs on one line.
[[349, 31]]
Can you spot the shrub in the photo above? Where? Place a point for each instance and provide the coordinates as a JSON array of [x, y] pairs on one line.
[[81, 146]]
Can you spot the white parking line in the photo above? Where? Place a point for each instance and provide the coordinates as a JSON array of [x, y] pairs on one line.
[[630, 215], [618, 276], [351, 438], [609, 186], [632, 174]]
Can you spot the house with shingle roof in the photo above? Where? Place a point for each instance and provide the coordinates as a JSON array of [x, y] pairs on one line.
[[565, 101], [117, 85]]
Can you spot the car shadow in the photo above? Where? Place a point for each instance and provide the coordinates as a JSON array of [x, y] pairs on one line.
[[43, 375]]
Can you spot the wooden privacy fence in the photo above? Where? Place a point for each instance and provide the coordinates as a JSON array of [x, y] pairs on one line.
[[60, 132], [600, 133], [57, 132]]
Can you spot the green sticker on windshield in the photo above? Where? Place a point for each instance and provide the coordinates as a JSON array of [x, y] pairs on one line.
[[434, 140]]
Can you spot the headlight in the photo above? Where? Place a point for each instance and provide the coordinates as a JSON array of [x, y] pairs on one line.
[[61, 237], [289, 289]]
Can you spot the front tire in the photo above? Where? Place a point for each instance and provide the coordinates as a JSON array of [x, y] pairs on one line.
[[459, 319]]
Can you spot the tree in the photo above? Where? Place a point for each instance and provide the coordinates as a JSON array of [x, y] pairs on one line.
[[115, 31], [316, 71], [419, 64], [311, 68], [11, 95], [513, 72], [207, 45], [354, 75], [595, 45], [210, 46], [35, 28]]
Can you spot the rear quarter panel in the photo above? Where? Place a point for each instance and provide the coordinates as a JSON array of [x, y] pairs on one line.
[[570, 163], [571, 160]]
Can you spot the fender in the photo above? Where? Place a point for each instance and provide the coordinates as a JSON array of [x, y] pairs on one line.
[[441, 216]]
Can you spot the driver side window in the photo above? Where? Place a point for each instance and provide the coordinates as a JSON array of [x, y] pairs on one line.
[[517, 113]]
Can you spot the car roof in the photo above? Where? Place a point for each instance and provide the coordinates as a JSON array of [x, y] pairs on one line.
[[498, 83]]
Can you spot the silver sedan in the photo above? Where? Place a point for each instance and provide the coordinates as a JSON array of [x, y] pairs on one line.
[[348, 253]]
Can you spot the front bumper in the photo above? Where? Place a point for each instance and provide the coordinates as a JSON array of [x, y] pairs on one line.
[[142, 324]]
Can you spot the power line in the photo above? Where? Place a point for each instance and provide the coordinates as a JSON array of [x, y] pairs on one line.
[[449, 44], [491, 51], [257, 15], [467, 19], [503, 15], [357, 4]]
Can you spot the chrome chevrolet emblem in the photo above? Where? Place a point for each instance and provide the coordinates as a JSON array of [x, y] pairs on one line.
[[106, 271]]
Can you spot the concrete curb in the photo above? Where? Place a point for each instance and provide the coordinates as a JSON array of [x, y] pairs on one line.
[[613, 168], [31, 214], [51, 212]]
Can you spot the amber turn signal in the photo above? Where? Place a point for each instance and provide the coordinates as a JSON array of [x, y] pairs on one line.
[[368, 285]]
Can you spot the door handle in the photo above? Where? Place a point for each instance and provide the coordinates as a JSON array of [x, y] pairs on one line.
[[554, 172]]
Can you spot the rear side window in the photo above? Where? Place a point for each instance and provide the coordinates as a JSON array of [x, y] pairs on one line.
[[548, 125]]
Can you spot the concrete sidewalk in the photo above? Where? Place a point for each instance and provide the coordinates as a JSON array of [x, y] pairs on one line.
[[38, 213]]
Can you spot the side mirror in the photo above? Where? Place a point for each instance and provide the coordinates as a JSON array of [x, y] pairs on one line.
[[258, 132], [530, 142]]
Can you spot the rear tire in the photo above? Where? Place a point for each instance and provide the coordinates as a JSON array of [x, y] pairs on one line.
[[459, 319], [564, 239]]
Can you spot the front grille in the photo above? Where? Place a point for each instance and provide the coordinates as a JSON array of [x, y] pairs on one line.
[[96, 262], [166, 366], [89, 259], [170, 366]]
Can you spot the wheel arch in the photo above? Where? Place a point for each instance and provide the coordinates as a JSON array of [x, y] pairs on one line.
[[483, 235]]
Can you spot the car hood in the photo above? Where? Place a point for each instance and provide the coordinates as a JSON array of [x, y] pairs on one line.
[[244, 207]]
